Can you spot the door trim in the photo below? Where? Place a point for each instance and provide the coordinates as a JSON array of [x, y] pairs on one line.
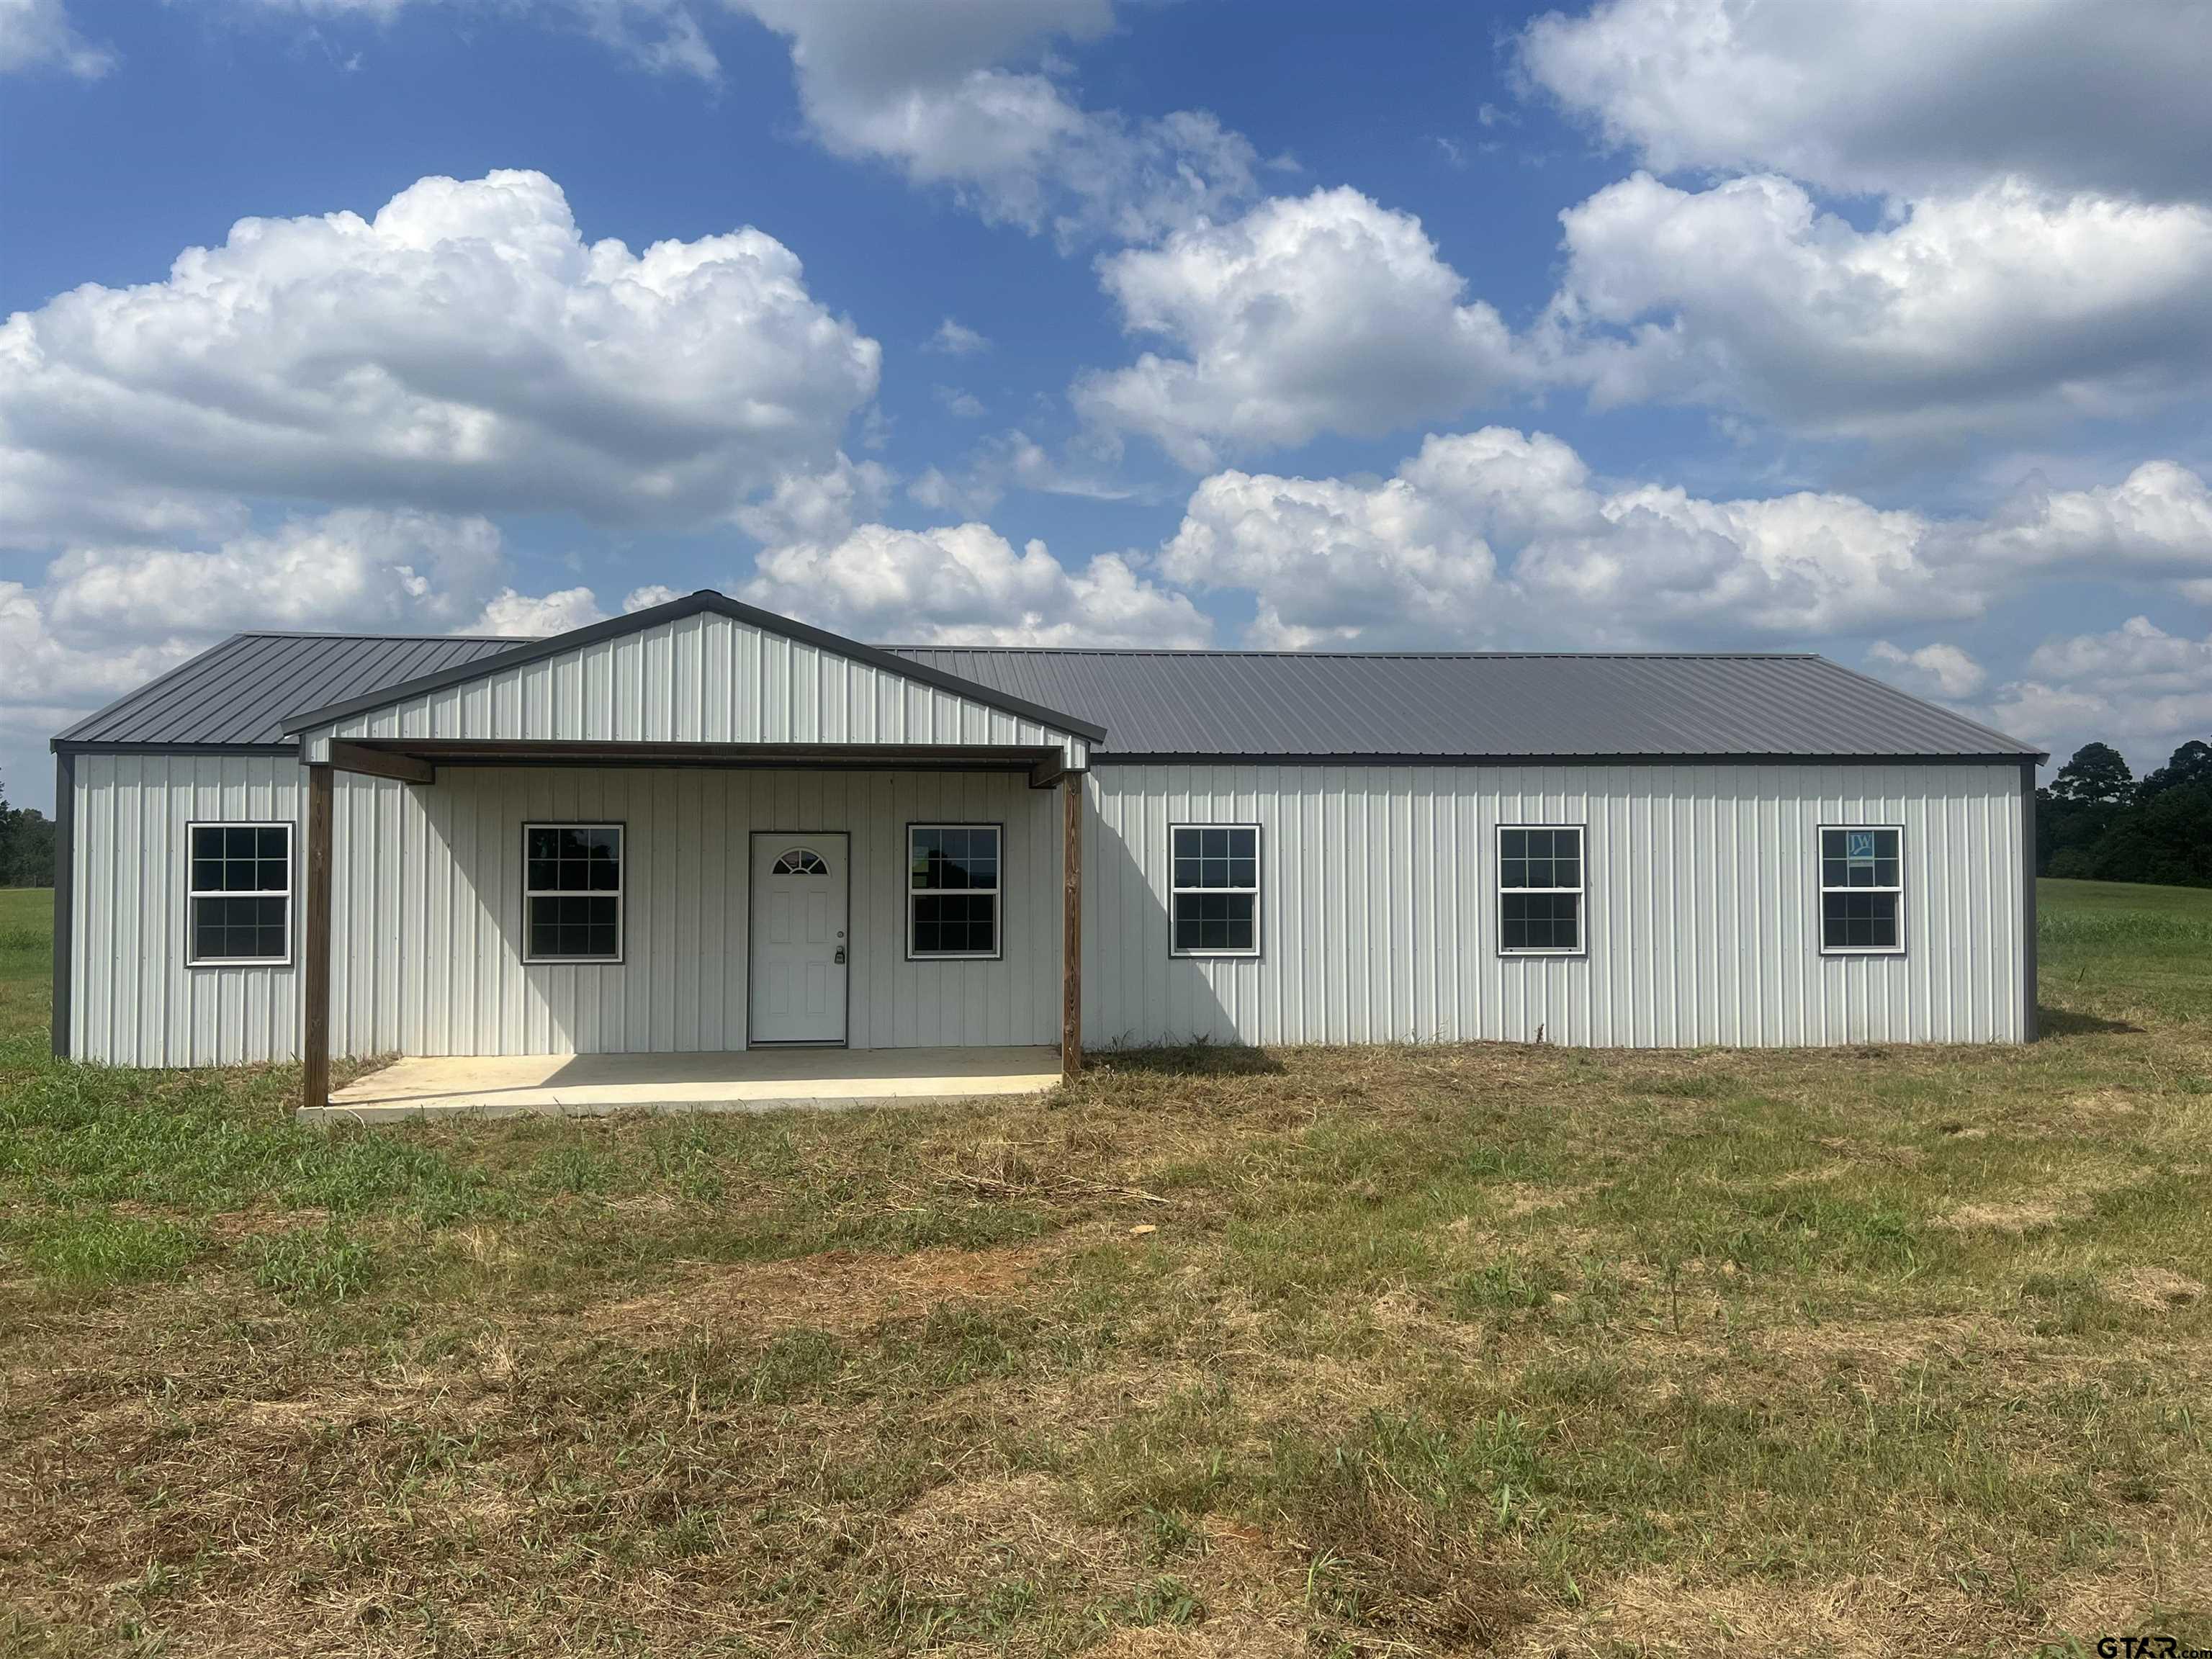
[[844, 1039]]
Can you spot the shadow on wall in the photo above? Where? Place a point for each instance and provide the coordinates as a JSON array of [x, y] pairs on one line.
[[1163, 1004]]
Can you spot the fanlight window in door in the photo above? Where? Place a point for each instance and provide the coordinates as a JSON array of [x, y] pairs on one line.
[[799, 861]]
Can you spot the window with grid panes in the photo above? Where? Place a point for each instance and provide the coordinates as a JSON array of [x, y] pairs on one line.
[[1862, 891], [1539, 889], [952, 890], [572, 892], [238, 891], [1215, 889]]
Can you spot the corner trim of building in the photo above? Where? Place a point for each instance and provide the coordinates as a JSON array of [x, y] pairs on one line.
[[64, 898], [2028, 1031]]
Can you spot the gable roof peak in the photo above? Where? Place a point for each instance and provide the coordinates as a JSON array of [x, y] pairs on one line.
[[704, 601]]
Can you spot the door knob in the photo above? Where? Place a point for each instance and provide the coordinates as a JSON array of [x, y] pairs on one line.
[[841, 955]]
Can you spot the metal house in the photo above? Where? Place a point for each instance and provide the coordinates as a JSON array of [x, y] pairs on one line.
[[705, 831]]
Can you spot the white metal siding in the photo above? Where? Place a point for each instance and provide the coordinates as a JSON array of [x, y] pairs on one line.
[[705, 678], [1379, 912], [1378, 908], [427, 915], [427, 906], [133, 1001]]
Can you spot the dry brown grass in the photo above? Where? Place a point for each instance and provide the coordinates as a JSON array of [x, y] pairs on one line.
[[840, 1291], [1430, 1350]]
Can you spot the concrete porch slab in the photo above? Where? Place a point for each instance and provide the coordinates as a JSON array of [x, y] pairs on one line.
[[756, 1079]]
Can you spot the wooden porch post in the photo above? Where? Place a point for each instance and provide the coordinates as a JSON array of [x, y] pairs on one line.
[[1070, 932], [315, 1014]]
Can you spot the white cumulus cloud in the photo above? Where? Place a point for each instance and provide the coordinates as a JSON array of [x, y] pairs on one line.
[[967, 584], [2139, 687], [109, 618], [525, 616], [1494, 536], [464, 350], [1331, 562], [2007, 304], [350, 569], [962, 95], [818, 507], [1326, 313], [1870, 97], [969, 95], [2155, 523], [956, 339], [1938, 670], [38, 34]]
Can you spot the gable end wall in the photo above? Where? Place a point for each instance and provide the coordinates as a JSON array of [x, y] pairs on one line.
[[703, 678]]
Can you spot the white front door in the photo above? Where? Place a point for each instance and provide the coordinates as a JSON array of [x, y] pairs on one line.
[[799, 938]]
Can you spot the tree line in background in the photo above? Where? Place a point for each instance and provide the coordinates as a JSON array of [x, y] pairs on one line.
[[2096, 820], [26, 846]]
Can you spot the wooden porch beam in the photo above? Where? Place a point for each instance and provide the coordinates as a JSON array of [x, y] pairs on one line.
[[1048, 771], [1070, 931], [380, 762], [315, 1009]]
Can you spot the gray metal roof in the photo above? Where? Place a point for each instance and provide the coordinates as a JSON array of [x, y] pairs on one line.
[[1274, 705], [1286, 704], [240, 692]]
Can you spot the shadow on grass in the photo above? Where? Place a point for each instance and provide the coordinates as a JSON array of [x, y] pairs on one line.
[[2067, 1022], [1193, 1060]]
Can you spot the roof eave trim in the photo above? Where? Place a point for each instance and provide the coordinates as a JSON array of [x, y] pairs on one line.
[[692, 605], [68, 745], [1101, 758]]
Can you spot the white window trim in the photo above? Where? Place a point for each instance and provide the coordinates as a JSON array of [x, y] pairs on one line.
[[192, 958], [997, 890], [1580, 891], [1822, 891], [620, 894], [1258, 853]]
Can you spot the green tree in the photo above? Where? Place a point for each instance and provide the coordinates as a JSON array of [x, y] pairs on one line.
[[2093, 822], [2191, 764], [2167, 839], [2098, 774], [29, 851], [26, 846]]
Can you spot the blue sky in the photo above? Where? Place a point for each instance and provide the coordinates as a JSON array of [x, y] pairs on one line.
[[1659, 324]]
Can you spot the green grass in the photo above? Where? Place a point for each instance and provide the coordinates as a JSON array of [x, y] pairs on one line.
[[26, 942], [2122, 951], [327, 1264], [1434, 1350], [89, 1248]]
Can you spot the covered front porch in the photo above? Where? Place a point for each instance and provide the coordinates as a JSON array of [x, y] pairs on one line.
[[721, 870], [757, 1079], [705, 849]]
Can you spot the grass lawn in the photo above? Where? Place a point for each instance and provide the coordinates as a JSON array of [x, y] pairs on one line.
[[1480, 1349]]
